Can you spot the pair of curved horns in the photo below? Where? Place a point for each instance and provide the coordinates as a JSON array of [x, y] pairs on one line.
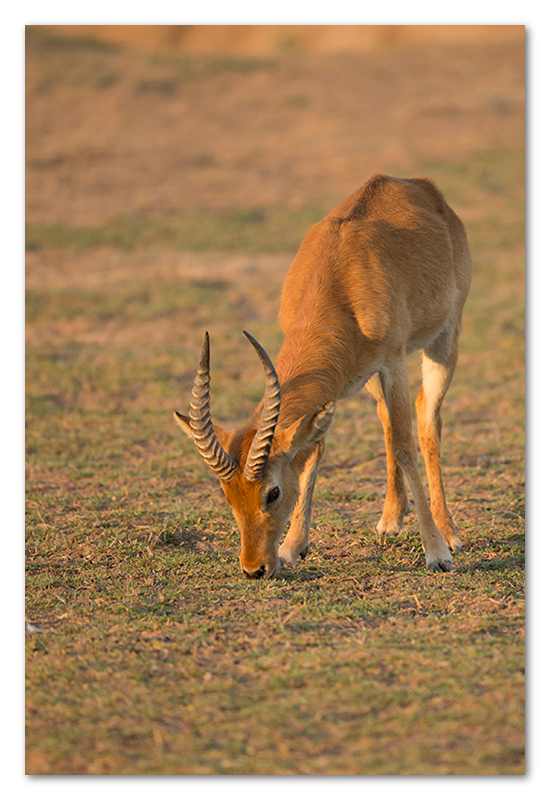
[[202, 428]]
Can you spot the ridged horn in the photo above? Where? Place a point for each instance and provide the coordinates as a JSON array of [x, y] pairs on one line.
[[200, 421], [261, 444]]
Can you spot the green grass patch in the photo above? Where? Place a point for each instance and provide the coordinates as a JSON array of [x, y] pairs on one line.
[[247, 230], [38, 39], [150, 303], [497, 174], [55, 62], [85, 62], [199, 67]]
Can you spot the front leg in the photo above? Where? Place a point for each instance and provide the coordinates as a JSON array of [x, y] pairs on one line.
[[296, 542]]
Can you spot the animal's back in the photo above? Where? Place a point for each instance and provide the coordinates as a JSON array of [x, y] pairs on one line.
[[392, 250]]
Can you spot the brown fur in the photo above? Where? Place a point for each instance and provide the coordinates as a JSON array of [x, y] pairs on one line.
[[385, 273]]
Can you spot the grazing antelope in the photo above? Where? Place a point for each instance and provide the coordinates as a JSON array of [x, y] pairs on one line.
[[384, 274]]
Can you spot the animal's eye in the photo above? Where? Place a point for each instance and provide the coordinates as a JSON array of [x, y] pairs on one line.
[[273, 494]]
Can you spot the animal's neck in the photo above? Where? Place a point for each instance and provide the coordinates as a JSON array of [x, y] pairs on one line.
[[311, 366]]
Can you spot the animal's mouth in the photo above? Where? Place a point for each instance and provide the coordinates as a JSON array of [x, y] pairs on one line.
[[255, 574], [263, 571]]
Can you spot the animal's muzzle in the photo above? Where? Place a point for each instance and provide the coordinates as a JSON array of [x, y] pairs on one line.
[[257, 573]]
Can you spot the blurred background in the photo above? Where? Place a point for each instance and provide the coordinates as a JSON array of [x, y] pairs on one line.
[[237, 137]]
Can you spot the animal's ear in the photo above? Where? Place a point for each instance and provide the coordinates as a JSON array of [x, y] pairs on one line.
[[185, 424], [305, 431]]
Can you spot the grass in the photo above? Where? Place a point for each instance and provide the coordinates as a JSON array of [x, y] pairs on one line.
[[244, 230], [258, 229], [147, 652], [93, 64], [154, 656], [199, 67]]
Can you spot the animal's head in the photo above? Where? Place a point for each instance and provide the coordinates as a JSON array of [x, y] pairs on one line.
[[259, 467]]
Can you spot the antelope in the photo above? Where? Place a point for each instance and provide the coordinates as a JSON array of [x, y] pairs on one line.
[[384, 274]]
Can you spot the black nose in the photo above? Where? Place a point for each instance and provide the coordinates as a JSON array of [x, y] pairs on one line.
[[259, 573]]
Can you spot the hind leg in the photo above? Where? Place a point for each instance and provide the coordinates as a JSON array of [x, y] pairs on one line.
[[396, 504], [396, 391], [438, 366]]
